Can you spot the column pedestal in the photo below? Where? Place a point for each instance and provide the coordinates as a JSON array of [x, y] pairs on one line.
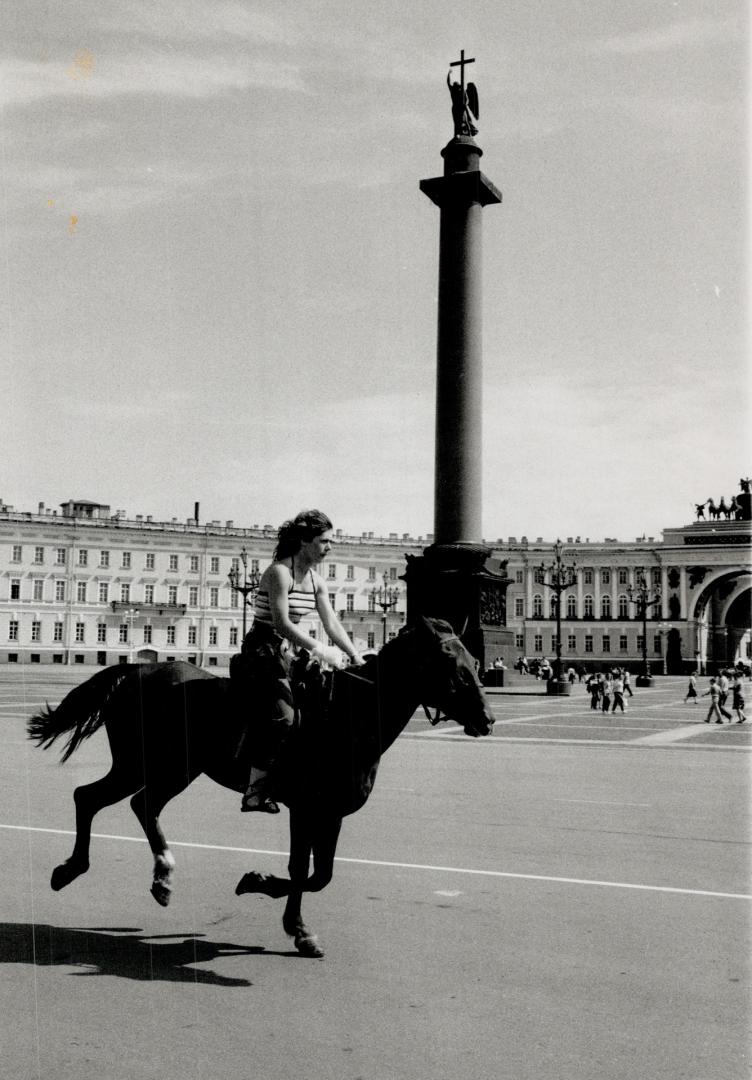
[[454, 582]]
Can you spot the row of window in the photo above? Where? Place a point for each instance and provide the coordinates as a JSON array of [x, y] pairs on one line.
[[126, 634], [60, 558], [124, 594], [61, 554], [588, 607], [606, 642], [588, 576]]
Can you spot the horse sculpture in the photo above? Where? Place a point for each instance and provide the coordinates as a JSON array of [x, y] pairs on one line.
[[713, 510], [168, 723]]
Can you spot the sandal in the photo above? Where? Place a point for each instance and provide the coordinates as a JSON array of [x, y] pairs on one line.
[[257, 798]]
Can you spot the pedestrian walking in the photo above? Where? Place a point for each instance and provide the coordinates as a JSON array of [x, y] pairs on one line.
[[593, 687], [737, 703], [723, 690], [608, 687], [618, 685], [692, 689], [628, 684], [715, 709]]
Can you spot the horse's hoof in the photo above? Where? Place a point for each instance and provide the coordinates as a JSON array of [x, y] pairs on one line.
[[65, 873], [162, 893], [254, 882], [308, 945]]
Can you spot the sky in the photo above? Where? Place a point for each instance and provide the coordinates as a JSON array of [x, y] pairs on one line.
[[219, 281]]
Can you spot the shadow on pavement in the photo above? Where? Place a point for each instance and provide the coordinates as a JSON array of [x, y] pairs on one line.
[[123, 952]]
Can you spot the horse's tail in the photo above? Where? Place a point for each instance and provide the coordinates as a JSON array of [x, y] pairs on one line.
[[80, 713]]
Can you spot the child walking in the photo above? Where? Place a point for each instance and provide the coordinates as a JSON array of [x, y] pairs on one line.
[[692, 689], [738, 700], [715, 706]]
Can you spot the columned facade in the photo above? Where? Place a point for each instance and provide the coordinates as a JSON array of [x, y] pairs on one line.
[[84, 586]]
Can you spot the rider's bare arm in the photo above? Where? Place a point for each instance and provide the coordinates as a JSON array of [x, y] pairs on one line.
[[331, 623]]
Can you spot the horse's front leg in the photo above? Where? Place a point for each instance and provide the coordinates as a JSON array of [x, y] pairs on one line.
[[320, 839]]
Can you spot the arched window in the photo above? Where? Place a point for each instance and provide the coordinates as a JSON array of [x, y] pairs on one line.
[[623, 606], [571, 606], [606, 606], [537, 606], [588, 606]]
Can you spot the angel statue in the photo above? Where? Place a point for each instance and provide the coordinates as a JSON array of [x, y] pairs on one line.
[[465, 109]]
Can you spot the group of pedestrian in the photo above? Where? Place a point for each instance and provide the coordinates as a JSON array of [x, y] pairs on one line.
[[608, 689], [538, 666], [542, 668], [718, 692]]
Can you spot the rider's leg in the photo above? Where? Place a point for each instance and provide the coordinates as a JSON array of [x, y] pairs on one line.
[[269, 738]]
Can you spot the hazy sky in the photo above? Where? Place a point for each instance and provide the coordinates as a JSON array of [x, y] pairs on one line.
[[220, 277]]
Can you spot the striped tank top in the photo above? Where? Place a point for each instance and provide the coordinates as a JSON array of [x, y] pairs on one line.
[[300, 602]]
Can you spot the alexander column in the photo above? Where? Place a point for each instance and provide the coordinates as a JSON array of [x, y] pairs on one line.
[[451, 579]]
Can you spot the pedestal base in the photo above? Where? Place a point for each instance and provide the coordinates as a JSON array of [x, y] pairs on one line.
[[453, 582], [644, 680], [559, 687]]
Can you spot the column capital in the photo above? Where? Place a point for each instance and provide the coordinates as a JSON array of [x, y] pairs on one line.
[[461, 188]]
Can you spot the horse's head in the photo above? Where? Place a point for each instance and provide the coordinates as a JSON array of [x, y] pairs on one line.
[[449, 676]]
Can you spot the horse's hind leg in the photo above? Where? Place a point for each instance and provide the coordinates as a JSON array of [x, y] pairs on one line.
[[89, 800], [147, 804], [320, 839]]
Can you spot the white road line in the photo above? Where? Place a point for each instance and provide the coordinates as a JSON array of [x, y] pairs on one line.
[[553, 740], [598, 802], [674, 735], [409, 866]]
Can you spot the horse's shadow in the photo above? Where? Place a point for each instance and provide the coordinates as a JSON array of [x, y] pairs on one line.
[[122, 951]]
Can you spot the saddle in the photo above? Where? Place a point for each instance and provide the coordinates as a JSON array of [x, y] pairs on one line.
[[311, 692]]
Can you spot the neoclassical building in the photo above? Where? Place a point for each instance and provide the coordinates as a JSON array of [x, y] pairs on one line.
[[83, 585]]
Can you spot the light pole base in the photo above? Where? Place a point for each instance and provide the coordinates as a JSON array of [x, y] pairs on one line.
[[644, 680], [559, 687]]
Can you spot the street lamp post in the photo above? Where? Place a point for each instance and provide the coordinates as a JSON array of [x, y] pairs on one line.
[[560, 577], [386, 598], [664, 629], [130, 617], [248, 587], [639, 595]]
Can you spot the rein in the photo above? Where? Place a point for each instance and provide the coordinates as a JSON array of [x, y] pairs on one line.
[[438, 717]]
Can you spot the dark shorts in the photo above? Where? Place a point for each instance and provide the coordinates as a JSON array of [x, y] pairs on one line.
[[262, 674]]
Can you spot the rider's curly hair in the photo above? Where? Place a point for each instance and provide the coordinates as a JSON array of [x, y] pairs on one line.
[[299, 530]]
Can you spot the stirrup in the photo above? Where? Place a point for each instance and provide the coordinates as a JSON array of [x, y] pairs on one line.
[[257, 799]]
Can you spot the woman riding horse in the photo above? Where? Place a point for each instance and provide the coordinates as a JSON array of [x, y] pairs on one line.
[[289, 590]]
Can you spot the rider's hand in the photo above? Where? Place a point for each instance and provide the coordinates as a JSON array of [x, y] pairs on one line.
[[356, 660], [331, 655]]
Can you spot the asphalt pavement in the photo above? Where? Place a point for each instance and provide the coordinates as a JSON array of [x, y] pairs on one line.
[[566, 899]]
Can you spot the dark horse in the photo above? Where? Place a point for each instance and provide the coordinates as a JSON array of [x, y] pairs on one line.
[[168, 723]]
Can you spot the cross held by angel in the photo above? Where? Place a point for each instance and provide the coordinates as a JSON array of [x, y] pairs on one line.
[[465, 109]]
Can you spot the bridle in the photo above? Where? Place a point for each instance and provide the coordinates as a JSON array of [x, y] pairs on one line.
[[439, 715]]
